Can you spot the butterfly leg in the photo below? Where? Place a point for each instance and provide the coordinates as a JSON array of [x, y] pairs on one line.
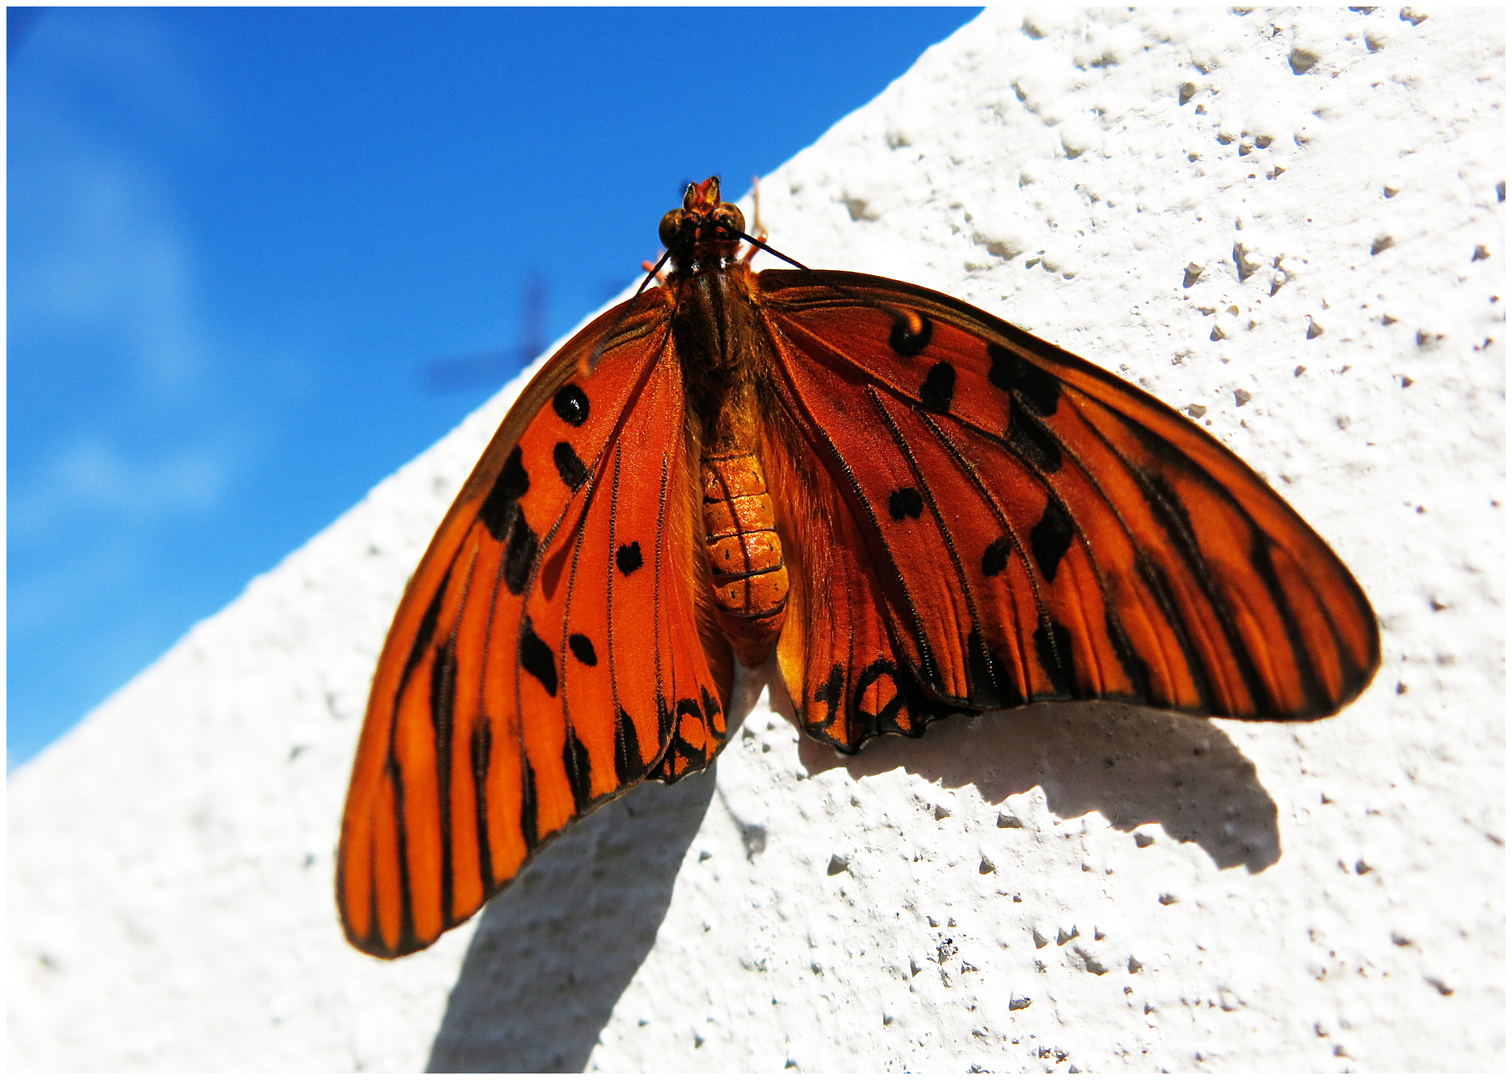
[[758, 230], [649, 267]]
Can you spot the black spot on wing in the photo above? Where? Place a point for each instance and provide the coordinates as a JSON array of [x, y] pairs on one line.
[[663, 720], [499, 509], [898, 705], [905, 503], [571, 404], [1037, 389], [408, 941], [883, 677], [828, 694], [903, 707], [1173, 514], [1052, 644], [938, 389], [426, 630], [687, 707], [528, 804], [443, 698], [1133, 664], [682, 756], [1155, 581], [995, 558], [482, 750], [1034, 445], [519, 553], [628, 762], [1050, 538], [713, 712], [991, 685], [1312, 684], [583, 649], [909, 338], [569, 466], [628, 558], [537, 658], [579, 770]]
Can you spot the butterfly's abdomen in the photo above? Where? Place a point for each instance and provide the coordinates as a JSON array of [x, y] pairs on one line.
[[745, 554]]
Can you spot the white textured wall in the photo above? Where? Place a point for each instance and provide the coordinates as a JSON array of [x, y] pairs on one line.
[[1097, 887]]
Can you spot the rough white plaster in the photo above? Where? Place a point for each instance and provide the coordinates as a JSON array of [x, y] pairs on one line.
[[1089, 886]]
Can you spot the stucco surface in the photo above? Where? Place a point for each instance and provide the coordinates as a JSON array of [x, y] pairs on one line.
[[1288, 223]]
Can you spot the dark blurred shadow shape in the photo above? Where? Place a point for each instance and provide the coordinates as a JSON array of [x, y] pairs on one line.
[[554, 951], [1134, 765], [497, 366]]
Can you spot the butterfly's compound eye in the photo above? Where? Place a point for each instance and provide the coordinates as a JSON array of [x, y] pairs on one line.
[[730, 220], [671, 227]]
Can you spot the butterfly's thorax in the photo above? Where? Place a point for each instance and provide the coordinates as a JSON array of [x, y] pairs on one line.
[[717, 339]]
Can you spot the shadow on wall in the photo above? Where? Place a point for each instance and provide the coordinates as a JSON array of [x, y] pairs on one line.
[[553, 953], [1134, 765]]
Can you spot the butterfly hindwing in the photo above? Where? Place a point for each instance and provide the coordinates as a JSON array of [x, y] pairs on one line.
[[845, 672], [1049, 530], [546, 649]]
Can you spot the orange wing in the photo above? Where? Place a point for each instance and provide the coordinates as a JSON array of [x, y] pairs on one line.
[[549, 651], [848, 676], [1040, 529]]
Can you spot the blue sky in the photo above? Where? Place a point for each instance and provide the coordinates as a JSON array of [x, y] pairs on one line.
[[245, 246]]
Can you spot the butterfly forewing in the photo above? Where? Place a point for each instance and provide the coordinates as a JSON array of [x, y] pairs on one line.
[[514, 692], [1056, 532]]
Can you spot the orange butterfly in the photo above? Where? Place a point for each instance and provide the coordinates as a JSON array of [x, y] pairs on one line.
[[925, 509]]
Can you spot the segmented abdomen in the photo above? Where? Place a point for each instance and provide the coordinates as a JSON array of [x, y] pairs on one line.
[[745, 554]]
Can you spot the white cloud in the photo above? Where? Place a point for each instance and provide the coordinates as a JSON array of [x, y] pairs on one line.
[[97, 243], [91, 475]]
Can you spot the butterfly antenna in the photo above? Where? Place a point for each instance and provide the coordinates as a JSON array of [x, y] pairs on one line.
[[593, 358], [770, 250], [898, 315]]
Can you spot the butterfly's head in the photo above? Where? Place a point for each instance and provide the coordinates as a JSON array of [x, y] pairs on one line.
[[705, 232]]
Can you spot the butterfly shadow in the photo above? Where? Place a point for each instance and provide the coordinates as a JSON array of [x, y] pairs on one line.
[[1134, 765], [553, 953]]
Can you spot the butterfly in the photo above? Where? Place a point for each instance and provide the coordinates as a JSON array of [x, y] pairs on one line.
[[922, 509]]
